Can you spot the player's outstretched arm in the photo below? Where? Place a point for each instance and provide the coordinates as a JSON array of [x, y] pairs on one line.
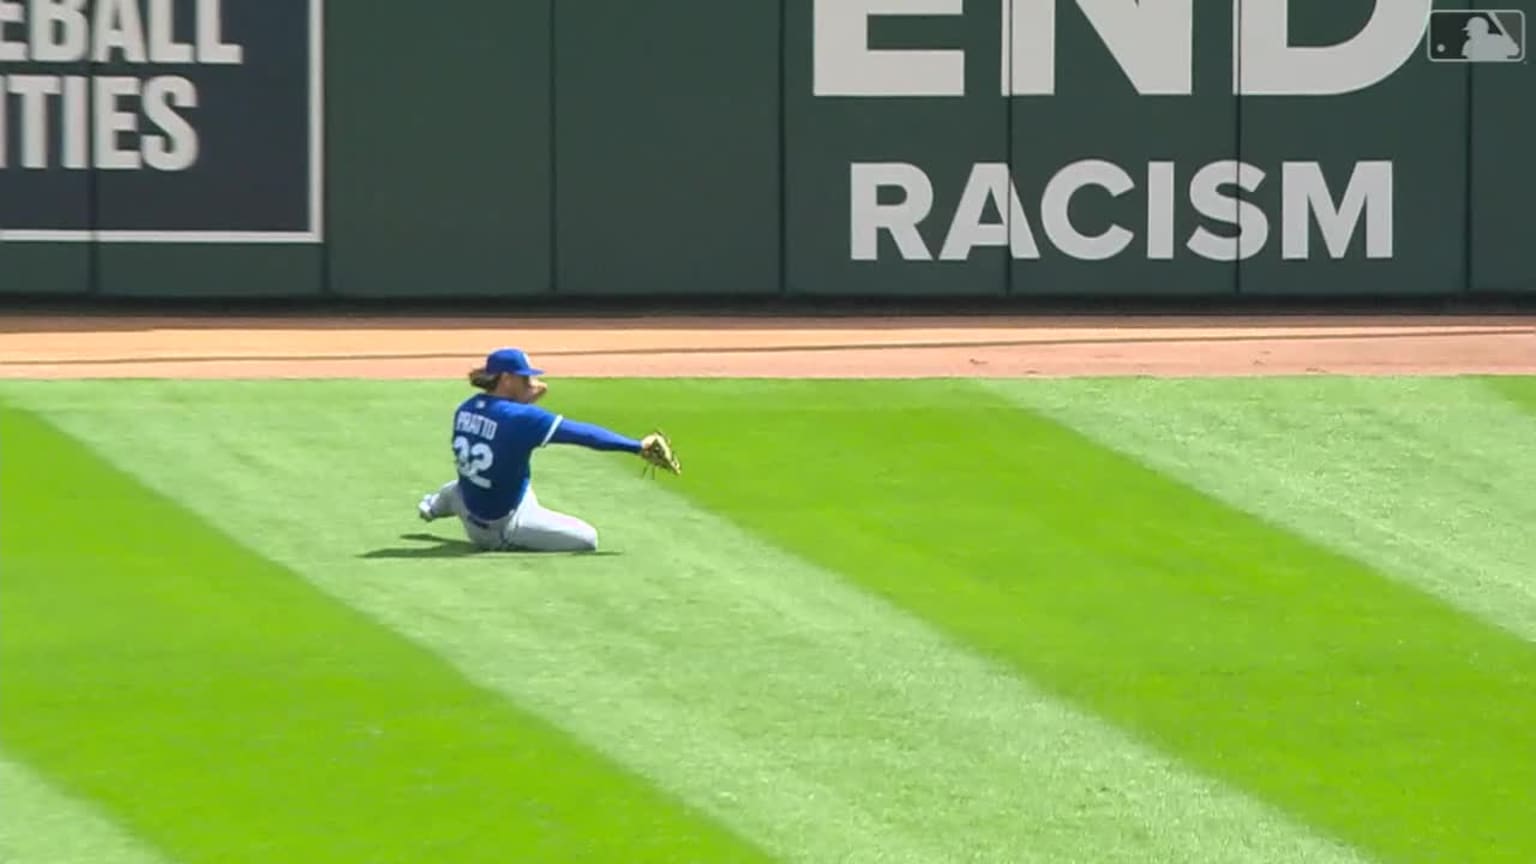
[[655, 449], [592, 436]]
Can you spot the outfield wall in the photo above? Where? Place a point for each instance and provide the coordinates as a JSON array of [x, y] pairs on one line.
[[1081, 148]]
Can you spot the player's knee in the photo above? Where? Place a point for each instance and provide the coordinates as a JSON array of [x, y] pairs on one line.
[[574, 538]]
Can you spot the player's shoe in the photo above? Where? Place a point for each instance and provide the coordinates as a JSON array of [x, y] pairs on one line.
[[424, 509]]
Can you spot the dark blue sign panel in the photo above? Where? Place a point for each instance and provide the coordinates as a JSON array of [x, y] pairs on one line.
[[160, 120]]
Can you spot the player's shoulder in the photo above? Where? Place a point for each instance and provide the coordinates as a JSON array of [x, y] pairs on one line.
[[507, 409]]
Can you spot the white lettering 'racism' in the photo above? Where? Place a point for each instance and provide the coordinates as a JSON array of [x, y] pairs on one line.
[[1306, 201]]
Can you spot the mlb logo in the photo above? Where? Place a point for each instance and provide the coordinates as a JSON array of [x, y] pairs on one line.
[[1476, 36]]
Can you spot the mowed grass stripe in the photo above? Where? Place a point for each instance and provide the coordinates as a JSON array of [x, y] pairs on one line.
[[820, 722], [1366, 708], [226, 710], [42, 825], [1429, 480], [1519, 391]]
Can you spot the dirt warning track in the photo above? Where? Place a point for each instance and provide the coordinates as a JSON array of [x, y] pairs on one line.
[[1005, 346]]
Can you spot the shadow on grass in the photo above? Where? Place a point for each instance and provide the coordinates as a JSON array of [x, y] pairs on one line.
[[444, 547]]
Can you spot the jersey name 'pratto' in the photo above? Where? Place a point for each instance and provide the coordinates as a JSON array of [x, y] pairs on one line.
[[475, 424]]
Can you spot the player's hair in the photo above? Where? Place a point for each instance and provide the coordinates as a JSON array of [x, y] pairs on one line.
[[482, 380]]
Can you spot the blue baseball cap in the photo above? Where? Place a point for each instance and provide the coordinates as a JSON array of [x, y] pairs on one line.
[[510, 361]]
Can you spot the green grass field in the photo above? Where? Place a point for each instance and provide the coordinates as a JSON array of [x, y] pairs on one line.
[[1282, 620]]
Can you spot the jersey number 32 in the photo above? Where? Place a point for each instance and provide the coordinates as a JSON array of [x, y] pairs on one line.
[[473, 460]]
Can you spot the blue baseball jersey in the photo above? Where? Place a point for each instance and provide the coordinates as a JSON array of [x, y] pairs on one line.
[[493, 442]]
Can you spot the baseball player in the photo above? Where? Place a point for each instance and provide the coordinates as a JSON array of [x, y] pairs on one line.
[[1484, 45], [494, 435]]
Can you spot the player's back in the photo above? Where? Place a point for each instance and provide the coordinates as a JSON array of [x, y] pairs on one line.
[[493, 439]]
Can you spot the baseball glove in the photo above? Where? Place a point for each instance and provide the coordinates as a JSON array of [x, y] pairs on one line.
[[656, 450]]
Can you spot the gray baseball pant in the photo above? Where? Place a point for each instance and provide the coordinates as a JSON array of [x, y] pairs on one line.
[[529, 528]]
